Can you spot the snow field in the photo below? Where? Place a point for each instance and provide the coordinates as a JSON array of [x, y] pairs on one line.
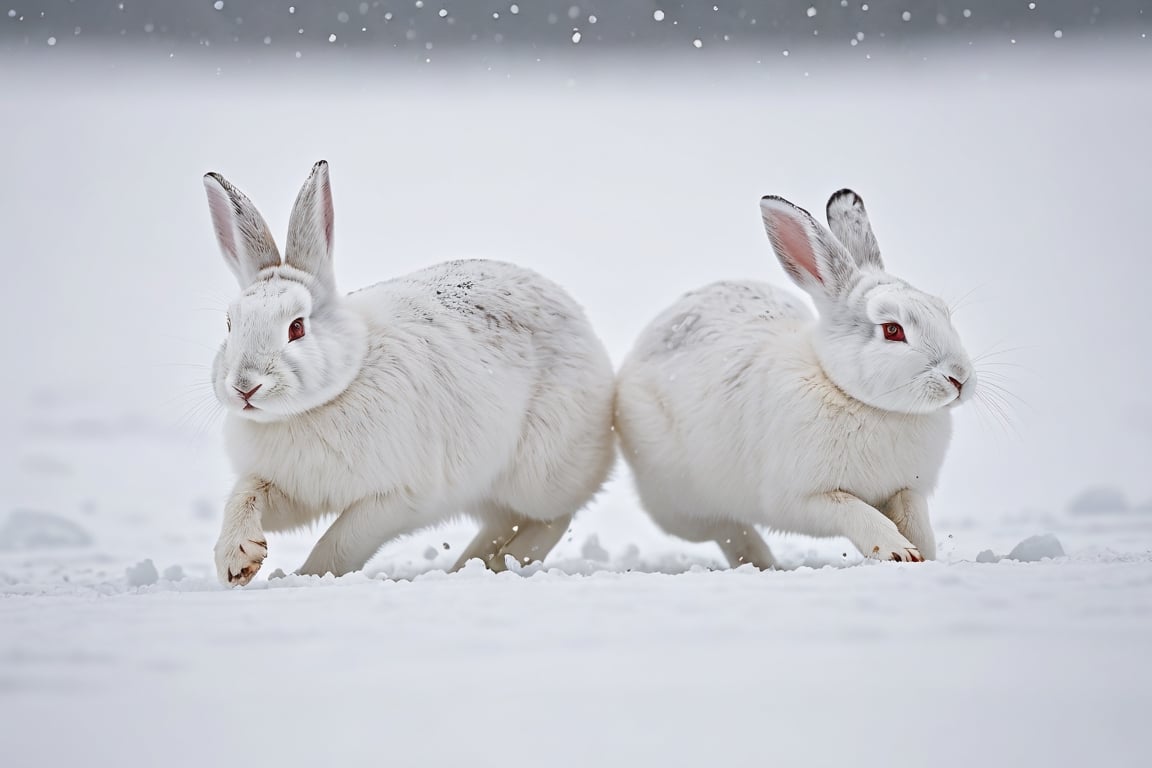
[[1019, 179]]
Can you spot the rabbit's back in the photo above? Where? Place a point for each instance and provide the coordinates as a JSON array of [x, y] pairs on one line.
[[716, 316], [493, 299]]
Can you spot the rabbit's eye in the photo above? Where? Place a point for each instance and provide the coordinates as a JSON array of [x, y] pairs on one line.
[[296, 329], [894, 332], [228, 323]]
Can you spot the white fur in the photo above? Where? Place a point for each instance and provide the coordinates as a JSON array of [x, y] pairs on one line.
[[469, 388], [737, 408]]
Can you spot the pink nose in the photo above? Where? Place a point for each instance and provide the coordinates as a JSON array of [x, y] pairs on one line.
[[252, 391], [955, 382]]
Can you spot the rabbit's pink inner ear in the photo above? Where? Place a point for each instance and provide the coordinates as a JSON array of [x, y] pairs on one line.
[[795, 244], [326, 209], [223, 216]]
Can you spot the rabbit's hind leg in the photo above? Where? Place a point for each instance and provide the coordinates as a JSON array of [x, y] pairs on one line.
[[503, 533], [743, 545], [531, 542], [489, 540]]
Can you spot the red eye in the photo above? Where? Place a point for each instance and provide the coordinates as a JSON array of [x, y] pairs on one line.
[[296, 329], [894, 332]]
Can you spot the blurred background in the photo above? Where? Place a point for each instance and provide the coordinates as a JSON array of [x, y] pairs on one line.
[[459, 27], [618, 147]]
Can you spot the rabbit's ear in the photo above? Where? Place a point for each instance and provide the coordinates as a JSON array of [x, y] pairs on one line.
[[848, 220], [244, 238], [309, 246], [809, 253]]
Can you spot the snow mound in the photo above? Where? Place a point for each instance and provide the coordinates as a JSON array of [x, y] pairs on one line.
[[173, 573], [1035, 548], [30, 529], [988, 556], [142, 574]]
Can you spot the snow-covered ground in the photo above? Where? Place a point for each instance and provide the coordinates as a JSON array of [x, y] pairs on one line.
[[1015, 183]]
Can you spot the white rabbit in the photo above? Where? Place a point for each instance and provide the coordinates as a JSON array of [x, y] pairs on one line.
[[472, 388], [737, 408]]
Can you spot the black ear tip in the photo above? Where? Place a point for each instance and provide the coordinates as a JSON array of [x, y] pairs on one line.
[[849, 196], [214, 179], [778, 203]]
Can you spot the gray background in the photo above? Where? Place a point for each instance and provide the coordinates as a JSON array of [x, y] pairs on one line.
[[402, 26]]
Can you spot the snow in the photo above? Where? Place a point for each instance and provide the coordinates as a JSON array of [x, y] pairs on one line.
[[142, 574], [940, 664], [1104, 501], [1042, 546], [26, 529], [627, 647], [1036, 548], [988, 556]]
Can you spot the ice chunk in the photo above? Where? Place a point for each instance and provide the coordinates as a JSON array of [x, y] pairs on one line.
[[1036, 548], [31, 529], [142, 574]]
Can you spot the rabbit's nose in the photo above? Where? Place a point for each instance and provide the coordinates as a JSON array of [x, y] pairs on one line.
[[249, 393], [955, 382]]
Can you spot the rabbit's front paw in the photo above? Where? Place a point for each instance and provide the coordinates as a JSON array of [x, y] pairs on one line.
[[238, 557], [895, 548]]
